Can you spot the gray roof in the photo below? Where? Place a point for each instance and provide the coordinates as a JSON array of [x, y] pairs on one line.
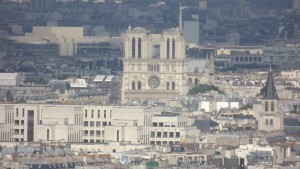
[[270, 91]]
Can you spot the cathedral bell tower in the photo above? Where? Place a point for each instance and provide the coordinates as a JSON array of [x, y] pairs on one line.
[[155, 65]]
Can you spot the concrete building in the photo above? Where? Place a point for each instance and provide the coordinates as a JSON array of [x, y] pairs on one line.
[[154, 65], [70, 40], [10, 79], [191, 30], [296, 4]]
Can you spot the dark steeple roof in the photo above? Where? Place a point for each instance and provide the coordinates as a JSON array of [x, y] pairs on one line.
[[270, 90]]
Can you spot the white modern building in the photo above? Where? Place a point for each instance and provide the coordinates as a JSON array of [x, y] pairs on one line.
[[10, 79]]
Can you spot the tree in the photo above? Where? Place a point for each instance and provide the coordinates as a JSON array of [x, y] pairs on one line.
[[202, 88]]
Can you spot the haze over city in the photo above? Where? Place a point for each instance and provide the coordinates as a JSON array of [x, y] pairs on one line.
[[150, 84]]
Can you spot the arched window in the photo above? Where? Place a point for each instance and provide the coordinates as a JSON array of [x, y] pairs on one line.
[[133, 48], [272, 106], [267, 122], [139, 48], [139, 85], [266, 106], [168, 86], [173, 85], [271, 122], [196, 81], [173, 49], [190, 81], [133, 85], [168, 49]]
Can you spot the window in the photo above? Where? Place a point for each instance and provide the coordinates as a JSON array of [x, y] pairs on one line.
[[272, 106], [173, 49], [104, 124], [105, 114], [139, 85], [168, 86], [154, 124], [164, 142], [92, 123], [271, 122], [171, 135], [98, 123], [85, 123], [196, 81], [267, 122], [133, 85], [161, 124], [165, 134], [139, 48], [86, 132], [98, 114], [23, 112], [158, 134], [133, 48], [98, 133], [266, 106], [177, 134], [152, 134], [92, 114], [92, 133], [173, 85], [17, 112], [168, 49], [85, 114]]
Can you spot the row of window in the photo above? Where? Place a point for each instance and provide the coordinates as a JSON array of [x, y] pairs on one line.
[[92, 114], [267, 106], [165, 134], [17, 131], [139, 47], [169, 49], [267, 122], [19, 122], [97, 123], [17, 112], [92, 141], [162, 124], [136, 87], [163, 142], [98, 133]]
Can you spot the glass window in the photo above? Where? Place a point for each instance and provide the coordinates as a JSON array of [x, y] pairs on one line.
[[92, 123], [133, 48], [177, 134], [165, 134], [85, 123], [158, 134], [98, 124], [152, 134], [171, 135]]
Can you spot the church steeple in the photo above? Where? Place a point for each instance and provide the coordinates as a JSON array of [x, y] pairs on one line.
[[270, 90]]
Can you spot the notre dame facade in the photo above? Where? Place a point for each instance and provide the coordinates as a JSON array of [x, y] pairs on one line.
[[155, 65]]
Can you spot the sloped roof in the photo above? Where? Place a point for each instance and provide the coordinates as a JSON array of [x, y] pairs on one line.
[[270, 91]]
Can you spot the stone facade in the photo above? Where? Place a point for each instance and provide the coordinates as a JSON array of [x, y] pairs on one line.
[[155, 65]]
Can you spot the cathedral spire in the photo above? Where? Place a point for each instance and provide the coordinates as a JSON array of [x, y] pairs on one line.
[[180, 17], [270, 90]]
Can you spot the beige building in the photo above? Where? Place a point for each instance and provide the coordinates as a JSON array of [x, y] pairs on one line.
[[155, 65], [269, 118]]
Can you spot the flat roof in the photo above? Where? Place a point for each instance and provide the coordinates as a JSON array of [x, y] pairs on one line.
[[8, 75]]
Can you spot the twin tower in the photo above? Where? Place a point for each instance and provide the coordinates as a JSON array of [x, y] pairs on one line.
[[155, 65]]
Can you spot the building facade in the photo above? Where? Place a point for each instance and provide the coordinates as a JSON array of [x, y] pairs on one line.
[[155, 65]]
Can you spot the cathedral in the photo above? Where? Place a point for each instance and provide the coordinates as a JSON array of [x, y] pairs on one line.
[[155, 65], [269, 117]]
